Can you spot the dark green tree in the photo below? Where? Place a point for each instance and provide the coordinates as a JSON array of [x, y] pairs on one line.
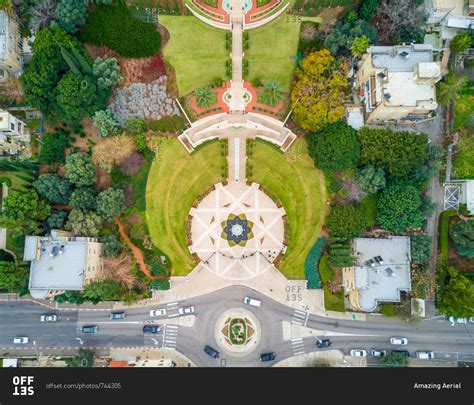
[[112, 246], [451, 87], [398, 153], [399, 209], [460, 42], [52, 147], [24, 210], [84, 198], [394, 359], [80, 170], [371, 179], [342, 36], [367, 9], [83, 358], [420, 248], [335, 147], [12, 277], [53, 188], [71, 14], [346, 221], [462, 234], [457, 296], [84, 223], [104, 290], [76, 96], [56, 220], [111, 204]]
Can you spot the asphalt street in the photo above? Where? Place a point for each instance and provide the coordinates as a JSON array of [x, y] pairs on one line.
[[20, 318]]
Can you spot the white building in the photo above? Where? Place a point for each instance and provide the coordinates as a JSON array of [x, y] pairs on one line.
[[381, 273], [14, 134], [398, 83], [11, 59], [61, 262], [451, 16]]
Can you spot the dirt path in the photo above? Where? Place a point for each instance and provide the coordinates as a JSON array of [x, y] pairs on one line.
[[137, 253]]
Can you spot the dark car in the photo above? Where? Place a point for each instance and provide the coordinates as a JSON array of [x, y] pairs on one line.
[[212, 352], [404, 352], [151, 329], [323, 343], [90, 329], [117, 315], [267, 356]]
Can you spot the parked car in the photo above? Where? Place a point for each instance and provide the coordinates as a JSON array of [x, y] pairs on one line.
[[404, 352], [90, 329], [157, 312], [398, 341], [471, 319], [425, 355], [151, 329], [211, 352], [185, 310], [117, 315], [267, 356], [252, 301], [49, 318], [359, 352], [323, 343], [455, 319], [21, 339], [378, 353]]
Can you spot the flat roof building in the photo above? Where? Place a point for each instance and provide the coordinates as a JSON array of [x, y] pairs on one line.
[[61, 262], [381, 273]]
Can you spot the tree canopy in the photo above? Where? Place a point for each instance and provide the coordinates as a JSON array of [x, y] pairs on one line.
[[335, 147], [80, 170], [399, 208], [460, 42], [342, 36], [420, 248], [53, 188], [12, 277], [83, 358], [53, 145], [111, 204], [398, 153], [84, 223], [462, 234], [25, 210], [457, 296], [450, 88], [371, 179], [394, 359], [318, 96], [83, 198]]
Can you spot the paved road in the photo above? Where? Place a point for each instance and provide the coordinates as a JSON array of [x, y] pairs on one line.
[[22, 319]]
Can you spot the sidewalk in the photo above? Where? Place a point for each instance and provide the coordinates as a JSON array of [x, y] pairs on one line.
[[334, 358]]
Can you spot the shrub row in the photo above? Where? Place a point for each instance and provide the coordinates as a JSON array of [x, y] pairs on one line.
[[312, 262]]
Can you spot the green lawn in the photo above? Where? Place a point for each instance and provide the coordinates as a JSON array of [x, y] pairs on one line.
[[464, 111], [294, 180], [463, 167], [332, 302], [270, 48], [175, 181], [196, 51]]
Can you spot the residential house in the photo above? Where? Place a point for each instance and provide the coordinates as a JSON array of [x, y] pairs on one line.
[[451, 16], [14, 135], [11, 43], [61, 262], [381, 273], [397, 83]]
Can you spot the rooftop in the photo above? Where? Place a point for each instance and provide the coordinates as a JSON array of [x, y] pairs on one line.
[[382, 269], [400, 58], [56, 263]]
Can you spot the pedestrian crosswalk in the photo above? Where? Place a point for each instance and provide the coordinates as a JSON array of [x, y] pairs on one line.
[[300, 317], [170, 336], [298, 346]]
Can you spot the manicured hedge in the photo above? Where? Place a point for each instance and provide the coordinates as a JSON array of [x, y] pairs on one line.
[[311, 264], [116, 27], [444, 233]]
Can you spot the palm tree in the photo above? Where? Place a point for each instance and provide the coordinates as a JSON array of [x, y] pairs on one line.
[[272, 93], [204, 97], [451, 87]]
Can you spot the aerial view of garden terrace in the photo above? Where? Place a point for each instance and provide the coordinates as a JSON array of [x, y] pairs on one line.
[[210, 157]]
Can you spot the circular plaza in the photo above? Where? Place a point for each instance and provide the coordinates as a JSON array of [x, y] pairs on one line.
[[237, 231]]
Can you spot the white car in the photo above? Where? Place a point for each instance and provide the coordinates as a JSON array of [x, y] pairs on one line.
[[378, 353], [454, 319], [21, 339], [252, 301], [425, 355], [471, 319], [158, 312], [398, 341], [49, 318], [185, 310], [359, 353]]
